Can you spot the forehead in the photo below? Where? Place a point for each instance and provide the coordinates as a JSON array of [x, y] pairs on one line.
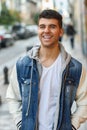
[[46, 21]]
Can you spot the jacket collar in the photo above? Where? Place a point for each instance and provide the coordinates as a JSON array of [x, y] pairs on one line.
[[33, 53]]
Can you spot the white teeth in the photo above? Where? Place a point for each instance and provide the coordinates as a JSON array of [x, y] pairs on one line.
[[47, 37]]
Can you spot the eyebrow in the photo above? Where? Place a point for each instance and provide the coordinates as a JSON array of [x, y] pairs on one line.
[[47, 25]]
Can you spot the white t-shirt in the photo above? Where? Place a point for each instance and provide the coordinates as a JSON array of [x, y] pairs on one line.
[[49, 94]]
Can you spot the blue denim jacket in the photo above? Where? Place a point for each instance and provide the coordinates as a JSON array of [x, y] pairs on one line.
[[28, 78]]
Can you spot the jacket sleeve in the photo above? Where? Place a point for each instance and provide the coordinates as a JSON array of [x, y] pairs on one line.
[[80, 114], [13, 98]]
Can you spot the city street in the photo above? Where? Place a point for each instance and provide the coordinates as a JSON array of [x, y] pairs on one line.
[[19, 20], [6, 122], [9, 56]]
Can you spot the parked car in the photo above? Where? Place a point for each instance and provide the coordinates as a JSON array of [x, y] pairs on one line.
[[33, 29], [20, 31], [6, 38]]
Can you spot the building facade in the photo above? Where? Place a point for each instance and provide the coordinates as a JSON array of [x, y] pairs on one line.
[[26, 8]]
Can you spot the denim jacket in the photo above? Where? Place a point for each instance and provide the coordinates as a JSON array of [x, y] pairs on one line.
[[28, 78], [22, 93]]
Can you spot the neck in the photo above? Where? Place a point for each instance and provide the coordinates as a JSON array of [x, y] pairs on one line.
[[48, 55]]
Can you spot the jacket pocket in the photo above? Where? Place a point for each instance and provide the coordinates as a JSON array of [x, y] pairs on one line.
[[70, 81], [25, 87], [70, 90]]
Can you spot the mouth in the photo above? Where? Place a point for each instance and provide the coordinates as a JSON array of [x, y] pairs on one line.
[[47, 37]]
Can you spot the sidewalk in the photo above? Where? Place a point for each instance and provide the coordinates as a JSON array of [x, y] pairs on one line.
[[6, 121]]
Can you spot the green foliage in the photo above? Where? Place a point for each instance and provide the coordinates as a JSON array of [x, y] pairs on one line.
[[36, 18], [8, 17]]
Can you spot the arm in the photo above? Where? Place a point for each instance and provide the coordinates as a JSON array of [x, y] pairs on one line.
[[80, 115], [14, 99]]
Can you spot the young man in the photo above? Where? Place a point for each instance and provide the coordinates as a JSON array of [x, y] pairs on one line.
[[47, 81]]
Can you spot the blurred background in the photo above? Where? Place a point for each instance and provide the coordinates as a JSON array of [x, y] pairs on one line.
[[18, 33]]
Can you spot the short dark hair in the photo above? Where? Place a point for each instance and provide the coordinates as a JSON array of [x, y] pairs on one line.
[[49, 14]]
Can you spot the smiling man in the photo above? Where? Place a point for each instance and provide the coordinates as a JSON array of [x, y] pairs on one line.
[[49, 32], [45, 83]]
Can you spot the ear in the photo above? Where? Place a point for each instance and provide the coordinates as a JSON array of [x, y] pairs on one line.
[[61, 32]]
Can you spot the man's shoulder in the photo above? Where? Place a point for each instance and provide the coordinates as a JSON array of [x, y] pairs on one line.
[[75, 62], [24, 60], [75, 68]]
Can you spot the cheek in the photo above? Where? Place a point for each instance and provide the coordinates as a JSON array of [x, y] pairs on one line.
[[39, 32], [57, 34]]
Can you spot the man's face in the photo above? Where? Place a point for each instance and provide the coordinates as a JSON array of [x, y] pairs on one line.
[[49, 32]]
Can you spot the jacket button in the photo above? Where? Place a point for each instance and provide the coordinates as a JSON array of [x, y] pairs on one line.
[[25, 82]]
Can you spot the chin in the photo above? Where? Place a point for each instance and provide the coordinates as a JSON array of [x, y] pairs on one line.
[[46, 44]]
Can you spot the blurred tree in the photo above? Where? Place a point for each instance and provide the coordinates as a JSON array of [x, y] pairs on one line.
[[16, 16], [8, 17], [36, 18]]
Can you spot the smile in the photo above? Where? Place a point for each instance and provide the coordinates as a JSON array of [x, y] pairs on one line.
[[47, 37]]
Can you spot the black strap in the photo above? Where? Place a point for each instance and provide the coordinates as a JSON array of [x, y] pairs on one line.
[[73, 128]]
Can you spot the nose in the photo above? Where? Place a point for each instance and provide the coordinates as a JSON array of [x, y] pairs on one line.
[[47, 29]]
